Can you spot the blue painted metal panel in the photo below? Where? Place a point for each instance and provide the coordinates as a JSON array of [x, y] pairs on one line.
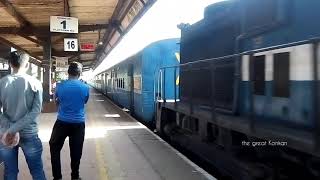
[[145, 64], [137, 98], [295, 23], [138, 107], [120, 95], [292, 22], [295, 110], [156, 55], [261, 24]]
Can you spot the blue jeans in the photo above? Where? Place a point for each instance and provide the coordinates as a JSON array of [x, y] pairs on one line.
[[32, 149]]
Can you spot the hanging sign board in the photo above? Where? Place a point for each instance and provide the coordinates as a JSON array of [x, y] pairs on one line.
[[63, 24], [87, 47], [70, 44], [61, 64]]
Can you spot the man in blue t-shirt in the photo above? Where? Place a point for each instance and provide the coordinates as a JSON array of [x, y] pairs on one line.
[[71, 97]]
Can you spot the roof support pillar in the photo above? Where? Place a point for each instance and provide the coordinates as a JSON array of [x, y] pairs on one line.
[[47, 63], [40, 75]]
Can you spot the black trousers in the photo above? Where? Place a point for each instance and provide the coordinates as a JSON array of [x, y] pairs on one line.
[[75, 132]]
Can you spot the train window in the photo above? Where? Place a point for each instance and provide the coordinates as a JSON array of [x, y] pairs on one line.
[[258, 74], [137, 84], [122, 83], [281, 74]]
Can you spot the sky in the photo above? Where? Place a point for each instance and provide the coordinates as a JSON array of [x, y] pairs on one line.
[[159, 22]]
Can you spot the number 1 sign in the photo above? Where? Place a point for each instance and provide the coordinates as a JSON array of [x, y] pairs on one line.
[[70, 44], [63, 24]]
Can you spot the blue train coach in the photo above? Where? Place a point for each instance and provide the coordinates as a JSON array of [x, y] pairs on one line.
[[132, 83]]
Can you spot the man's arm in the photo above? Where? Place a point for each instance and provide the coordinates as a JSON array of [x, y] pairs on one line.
[[87, 96], [4, 123], [30, 116], [56, 94]]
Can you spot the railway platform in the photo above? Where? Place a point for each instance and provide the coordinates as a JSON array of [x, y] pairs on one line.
[[116, 147]]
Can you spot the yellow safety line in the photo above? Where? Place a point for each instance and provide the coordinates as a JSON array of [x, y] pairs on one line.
[[103, 174], [100, 159], [102, 170]]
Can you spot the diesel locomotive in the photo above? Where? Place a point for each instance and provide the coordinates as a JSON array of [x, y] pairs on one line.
[[248, 99]]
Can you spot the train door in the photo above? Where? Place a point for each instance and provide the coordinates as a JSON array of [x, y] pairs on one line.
[[102, 82], [109, 84], [260, 81], [105, 83], [112, 85], [115, 86], [131, 85]]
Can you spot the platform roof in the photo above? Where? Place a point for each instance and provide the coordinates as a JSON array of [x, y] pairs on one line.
[[24, 25]]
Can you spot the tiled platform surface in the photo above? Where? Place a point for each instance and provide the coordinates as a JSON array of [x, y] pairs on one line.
[[116, 147]]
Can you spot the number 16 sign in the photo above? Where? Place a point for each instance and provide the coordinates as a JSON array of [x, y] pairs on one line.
[[70, 44], [63, 24]]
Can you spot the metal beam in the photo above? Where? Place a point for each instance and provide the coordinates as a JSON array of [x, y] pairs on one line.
[[4, 50], [87, 60], [60, 53], [66, 8], [36, 41], [86, 63], [120, 16], [14, 13], [47, 63], [122, 5], [72, 58], [45, 30], [118, 12], [8, 43], [59, 39], [142, 1], [64, 53], [86, 66]]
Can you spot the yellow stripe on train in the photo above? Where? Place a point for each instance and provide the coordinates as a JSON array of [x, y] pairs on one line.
[[177, 56], [177, 81]]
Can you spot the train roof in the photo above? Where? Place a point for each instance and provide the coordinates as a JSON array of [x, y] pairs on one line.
[[155, 43]]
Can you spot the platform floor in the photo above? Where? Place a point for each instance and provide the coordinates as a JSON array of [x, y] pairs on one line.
[[117, 147]]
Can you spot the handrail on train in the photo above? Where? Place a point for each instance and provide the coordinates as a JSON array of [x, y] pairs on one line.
[[161, 73], [297, 43]]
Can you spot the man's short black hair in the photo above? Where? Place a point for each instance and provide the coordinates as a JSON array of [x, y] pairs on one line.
[[75, 69], [16, 59]]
